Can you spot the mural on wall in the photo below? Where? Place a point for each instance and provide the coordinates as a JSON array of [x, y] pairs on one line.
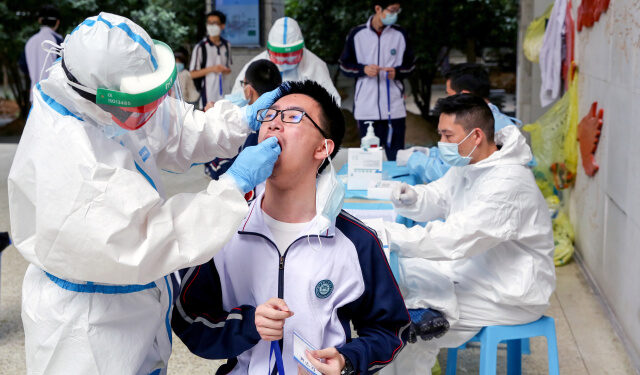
[[589, 136], [589, 12]]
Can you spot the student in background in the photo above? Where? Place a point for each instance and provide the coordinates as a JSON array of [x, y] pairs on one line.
[[211, 60], [262, 76]]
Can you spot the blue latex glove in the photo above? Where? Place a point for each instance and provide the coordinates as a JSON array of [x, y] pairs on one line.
[[264, 101], [255, 164], [427, 168]]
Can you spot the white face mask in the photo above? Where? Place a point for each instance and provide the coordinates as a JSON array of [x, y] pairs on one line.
[[213, 30], [329, 193], [285, 67]]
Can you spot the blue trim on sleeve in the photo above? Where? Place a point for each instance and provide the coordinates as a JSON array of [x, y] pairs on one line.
[[55, 105], [167, 319], [142, 172], [90, 287], [124, 27]]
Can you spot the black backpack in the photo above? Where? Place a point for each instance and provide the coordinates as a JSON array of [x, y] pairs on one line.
[[197, 82]]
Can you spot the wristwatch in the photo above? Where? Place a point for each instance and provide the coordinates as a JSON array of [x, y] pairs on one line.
[[348, 368]]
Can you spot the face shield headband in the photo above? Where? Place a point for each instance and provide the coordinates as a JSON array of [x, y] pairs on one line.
[[132, 107]]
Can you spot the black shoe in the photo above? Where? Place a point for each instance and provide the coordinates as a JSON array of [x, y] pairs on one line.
[[4, 240], [427, 324]]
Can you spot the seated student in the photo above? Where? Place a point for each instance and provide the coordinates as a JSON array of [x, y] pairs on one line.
[[466, 78], [261, 76], [297, 263], [495, 245]]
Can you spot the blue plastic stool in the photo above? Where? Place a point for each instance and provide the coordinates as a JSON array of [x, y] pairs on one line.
[[491, 336]]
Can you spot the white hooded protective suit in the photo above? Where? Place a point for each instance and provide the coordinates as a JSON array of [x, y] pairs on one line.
[[88, 210], [495, 246], [311, 67]]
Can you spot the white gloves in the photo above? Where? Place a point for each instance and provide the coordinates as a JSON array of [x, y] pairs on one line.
[[403, 195], [402, 157]]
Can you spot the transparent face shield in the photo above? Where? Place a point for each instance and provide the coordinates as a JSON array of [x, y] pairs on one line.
[[140, 100]]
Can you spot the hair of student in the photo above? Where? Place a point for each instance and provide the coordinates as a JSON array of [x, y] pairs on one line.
[[471, 111], [384, 4], [263, 76], [470, 77], [331, 120], [219, 14], [179, 55], [49, 15]]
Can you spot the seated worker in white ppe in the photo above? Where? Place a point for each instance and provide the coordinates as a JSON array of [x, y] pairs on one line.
[[285, 48], [296, 264], [88, 209], [467, 78], [492, 256]]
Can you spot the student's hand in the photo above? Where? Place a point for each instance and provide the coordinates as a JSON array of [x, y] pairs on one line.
[[218, 69], [209, 106], [225, 69], [333, 360], [270, 317], [371, 70], [391, 71]]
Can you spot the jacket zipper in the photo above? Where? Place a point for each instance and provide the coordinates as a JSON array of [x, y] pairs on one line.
[[281, 287], [378, 76], [281, 262]]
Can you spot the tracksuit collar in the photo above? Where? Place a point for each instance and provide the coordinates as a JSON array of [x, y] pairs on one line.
[[254, 223]]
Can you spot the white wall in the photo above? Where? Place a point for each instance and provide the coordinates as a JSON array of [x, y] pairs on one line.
[[605, 208]]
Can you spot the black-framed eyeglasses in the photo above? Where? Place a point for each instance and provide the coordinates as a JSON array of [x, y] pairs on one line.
[[244, 83], [290, 116]]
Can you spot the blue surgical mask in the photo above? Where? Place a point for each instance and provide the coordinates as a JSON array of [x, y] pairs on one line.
[[329, 193], [450, 155], [179, 67], [113, 131], [390, 19], [237, 99]]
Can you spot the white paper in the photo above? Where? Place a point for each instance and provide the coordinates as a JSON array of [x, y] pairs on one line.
[[364, 167], [381, 190], [300, 345]]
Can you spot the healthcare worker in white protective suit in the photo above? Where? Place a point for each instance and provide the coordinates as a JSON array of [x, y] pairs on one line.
[[490, 262], [285, 48], [87, 206]]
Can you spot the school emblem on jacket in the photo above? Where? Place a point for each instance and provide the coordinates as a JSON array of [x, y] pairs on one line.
[[393, 51], [324, 288]]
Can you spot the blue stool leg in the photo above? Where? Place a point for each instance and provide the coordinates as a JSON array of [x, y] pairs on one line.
[[452, 361], [552, 348], [526, 349], [488, 355], [514, 357]]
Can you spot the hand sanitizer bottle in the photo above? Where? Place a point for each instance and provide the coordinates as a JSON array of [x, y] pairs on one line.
[[370, 140]]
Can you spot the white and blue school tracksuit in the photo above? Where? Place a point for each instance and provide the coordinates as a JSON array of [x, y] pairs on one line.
[[328, 281], [371, 102]]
